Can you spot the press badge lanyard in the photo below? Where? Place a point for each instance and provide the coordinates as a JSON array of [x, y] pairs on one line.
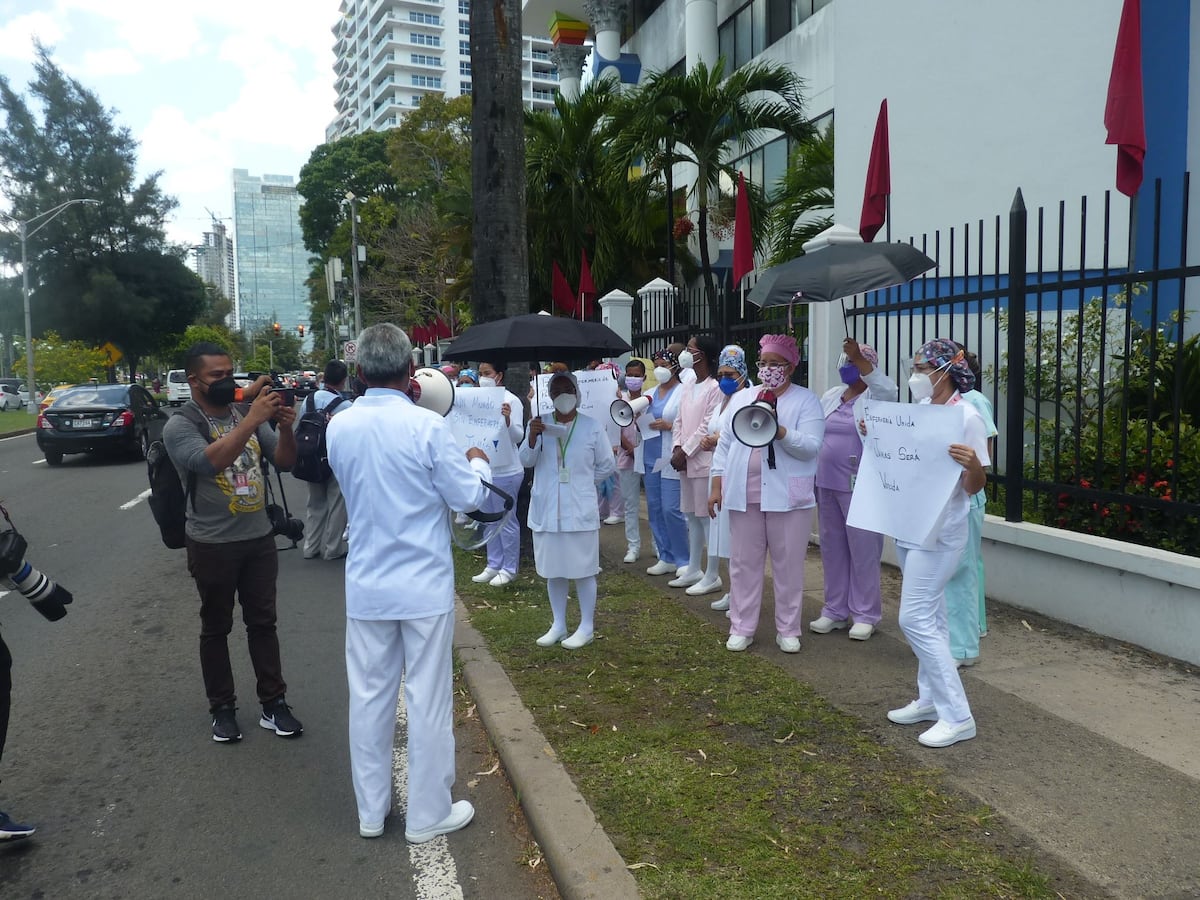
[[564, 476], [239, 476]]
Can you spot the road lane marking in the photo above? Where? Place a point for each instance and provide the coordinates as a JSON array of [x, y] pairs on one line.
[[39, 462], [435, 876], [130, 504], [16, 436]]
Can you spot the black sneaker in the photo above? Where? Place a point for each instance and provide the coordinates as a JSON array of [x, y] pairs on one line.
[[277, 716], [13, 831], [225, 726]]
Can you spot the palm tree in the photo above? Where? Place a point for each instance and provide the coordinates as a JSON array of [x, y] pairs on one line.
[[803, 203], [707, 119]]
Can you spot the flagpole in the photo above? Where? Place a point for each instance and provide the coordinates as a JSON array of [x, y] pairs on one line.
[[888, 217]]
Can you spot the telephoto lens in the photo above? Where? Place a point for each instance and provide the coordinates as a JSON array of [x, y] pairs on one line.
[[47, 597]]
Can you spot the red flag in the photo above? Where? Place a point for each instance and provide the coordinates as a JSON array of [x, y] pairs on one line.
[[1124, 115], [560, 291], [879, 180], [587, 288], [743, 240]]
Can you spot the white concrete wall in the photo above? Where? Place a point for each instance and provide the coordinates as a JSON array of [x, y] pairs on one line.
[[982, 98], [1141, 595]]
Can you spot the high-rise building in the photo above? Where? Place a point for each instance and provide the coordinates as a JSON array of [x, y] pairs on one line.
[[215, 265], [391, 53], [272, 264]]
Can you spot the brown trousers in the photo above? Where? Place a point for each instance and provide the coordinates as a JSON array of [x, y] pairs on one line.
[[247, 569]]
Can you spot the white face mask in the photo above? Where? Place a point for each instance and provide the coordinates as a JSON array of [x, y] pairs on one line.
[[921, 386], [565, 403], [687, 359], [487, 381], [662, 374]]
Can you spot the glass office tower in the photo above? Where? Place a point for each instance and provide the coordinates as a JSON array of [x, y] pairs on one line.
[[272, 263]]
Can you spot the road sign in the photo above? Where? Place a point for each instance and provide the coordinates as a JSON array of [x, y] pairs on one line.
[[112, 355], [350, 351]]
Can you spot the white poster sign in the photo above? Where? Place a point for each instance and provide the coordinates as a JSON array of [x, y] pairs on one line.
[[597, 391], [475, 419], [906, 475]]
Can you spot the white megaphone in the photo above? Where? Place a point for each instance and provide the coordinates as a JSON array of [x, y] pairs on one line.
[[432, 389], [756, 425], [623, 411]]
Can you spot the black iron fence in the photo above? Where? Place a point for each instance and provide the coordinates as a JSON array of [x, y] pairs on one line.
[[1092, 364], [1095, 380]]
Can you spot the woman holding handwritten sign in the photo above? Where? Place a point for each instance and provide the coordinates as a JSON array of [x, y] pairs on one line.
[[769, 494], [939, 374]]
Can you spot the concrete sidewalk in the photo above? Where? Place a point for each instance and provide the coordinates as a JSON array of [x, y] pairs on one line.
[[1089, 747]]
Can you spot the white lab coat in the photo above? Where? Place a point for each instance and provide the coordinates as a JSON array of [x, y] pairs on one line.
[[553, 505], [400, 470], [790, 484]]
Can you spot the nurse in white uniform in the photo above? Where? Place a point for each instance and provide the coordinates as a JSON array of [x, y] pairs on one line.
[[569, 456]]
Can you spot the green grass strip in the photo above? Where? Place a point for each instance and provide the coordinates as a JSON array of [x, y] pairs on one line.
[[717, 775]]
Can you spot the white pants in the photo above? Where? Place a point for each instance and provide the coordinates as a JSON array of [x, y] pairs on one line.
[[378, 655], [923, 621], [325, 521], [631, 493]]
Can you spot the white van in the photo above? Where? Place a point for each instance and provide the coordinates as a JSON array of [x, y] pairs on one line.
[[179, 391]]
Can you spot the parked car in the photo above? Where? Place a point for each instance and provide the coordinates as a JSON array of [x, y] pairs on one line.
[[53, 394], [10, 397], [179, 391], [23, 390], [94, 418]]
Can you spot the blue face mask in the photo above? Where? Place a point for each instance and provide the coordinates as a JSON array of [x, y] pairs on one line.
[[728, 385], [849, 373]]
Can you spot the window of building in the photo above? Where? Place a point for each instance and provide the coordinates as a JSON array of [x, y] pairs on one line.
[[464, 47], [464, 28], [415, 100], [464, 68], [432, 81], [421, 59], [464, 87], [464, 7], [425, 40], [423, 18], [765, 165], [758, 24]]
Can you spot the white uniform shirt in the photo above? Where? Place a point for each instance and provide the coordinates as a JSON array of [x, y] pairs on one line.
[[503, 455], [790, 484], [555, 505], [400, 469]]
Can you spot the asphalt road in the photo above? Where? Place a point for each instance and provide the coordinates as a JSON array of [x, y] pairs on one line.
[[109, 750]]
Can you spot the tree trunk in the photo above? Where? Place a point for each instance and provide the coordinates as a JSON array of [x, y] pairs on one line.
[[710, 291], [500, 251]]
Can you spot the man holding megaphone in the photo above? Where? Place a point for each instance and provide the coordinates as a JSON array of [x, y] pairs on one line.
[[401, 471], [763, 472]]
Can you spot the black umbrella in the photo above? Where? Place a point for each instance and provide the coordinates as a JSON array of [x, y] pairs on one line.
[[837, 271], [536, 337]]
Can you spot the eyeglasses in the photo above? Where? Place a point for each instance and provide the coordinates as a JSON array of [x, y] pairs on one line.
[[925, 367]]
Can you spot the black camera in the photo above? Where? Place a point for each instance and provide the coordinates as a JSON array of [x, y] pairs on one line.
[[285, 525], [48, 598], [286, 393]]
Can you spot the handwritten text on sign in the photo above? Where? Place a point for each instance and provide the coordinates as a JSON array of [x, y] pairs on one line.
[[475, 419], [597, 391], [906, 475]]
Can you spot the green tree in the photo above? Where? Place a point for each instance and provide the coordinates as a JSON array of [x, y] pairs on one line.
[[60, 361], [802, 204], [100, 272], [357, 164], [430, 146], [708, 118]]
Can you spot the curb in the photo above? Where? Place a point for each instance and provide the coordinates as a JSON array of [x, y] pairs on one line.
[[582, 859]]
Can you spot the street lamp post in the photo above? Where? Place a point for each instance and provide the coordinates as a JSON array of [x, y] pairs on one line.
[[45, 219], [353, 201]]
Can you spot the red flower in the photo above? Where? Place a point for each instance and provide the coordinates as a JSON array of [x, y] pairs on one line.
[[1161, 485], [1141, 478], [1084, 483], [1170, 463]]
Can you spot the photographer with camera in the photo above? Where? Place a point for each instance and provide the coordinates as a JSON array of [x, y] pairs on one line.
[[51, 601], [230, 536]]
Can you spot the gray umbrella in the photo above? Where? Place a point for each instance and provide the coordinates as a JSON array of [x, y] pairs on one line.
[[837, 271]]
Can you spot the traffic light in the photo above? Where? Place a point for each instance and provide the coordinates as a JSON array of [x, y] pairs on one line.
[[300, 328], [277, 329]]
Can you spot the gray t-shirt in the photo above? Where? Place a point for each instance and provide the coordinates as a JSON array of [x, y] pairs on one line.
[[230, 504]]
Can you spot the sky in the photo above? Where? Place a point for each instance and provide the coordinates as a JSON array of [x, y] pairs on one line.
[[204, 87]]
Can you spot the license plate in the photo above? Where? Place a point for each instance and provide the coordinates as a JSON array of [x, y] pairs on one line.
[[82, 423]]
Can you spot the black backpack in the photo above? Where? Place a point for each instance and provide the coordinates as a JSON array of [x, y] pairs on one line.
[[168, 498], [312, 456]]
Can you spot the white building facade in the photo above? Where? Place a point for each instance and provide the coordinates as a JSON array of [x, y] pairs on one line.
[[214, 261], [391, 53]]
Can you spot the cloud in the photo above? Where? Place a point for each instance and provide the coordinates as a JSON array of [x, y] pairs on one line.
[[17, 35], [102, 63]]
